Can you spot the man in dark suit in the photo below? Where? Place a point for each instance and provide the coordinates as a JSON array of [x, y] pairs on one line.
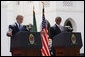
[[13, 29], [16, 27], [55, 30]]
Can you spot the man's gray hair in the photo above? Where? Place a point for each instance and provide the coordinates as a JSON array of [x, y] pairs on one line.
[[18, 16]]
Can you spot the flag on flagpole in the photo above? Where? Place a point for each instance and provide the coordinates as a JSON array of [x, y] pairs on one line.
[[45, 37], [34, 21]]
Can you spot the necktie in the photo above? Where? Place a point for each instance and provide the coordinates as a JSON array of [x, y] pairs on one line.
[[20, 27]]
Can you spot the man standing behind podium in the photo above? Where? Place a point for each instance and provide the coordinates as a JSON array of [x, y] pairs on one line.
[[13, 29], [16, 27], [55, 30]]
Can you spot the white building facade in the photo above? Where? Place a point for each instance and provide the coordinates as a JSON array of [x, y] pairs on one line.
[[69, 11]]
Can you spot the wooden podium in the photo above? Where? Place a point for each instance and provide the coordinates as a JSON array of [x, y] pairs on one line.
[[27, 52], [26, 44], [67, 44]]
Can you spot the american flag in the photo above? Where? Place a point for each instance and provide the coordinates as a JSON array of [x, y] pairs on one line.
[[45, 37]]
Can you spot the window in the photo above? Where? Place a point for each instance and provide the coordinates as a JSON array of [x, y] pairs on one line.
[[67, 3], [46, 3]]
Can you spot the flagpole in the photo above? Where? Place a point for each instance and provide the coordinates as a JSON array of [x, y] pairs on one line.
[[43, 4], [45, 48]]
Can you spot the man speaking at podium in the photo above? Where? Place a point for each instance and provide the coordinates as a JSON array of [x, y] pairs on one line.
[[13, 29]]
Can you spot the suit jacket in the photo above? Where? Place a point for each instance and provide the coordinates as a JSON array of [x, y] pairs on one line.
[[15, 30], [54, 30]]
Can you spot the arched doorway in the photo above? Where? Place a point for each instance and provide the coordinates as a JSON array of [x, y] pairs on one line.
[[70, 22]]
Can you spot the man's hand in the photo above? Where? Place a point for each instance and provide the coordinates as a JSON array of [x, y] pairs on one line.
[[10, 33]]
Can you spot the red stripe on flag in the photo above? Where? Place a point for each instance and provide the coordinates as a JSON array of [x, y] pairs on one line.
[[43, 52]]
